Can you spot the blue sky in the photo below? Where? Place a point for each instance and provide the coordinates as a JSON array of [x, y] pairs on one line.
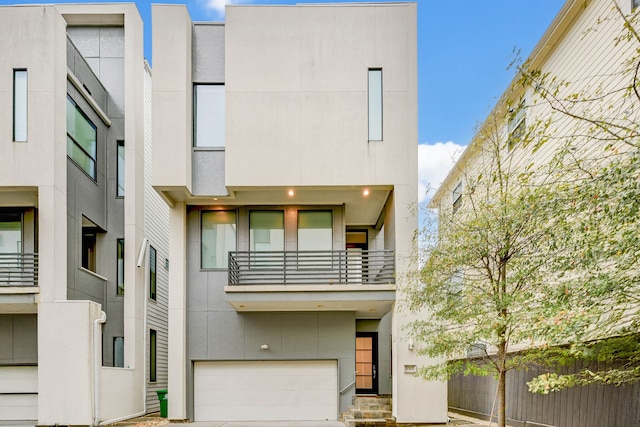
[[464, 50]]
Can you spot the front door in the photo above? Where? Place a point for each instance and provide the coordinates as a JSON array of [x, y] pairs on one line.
[[367, 363]]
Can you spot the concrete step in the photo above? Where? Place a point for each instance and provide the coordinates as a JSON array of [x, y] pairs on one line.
[[371, 413], [369, 422]]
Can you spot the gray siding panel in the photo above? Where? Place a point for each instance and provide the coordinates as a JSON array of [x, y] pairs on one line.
[[18, 339]]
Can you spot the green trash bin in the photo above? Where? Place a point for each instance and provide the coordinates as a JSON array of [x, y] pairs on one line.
[[164, 401]]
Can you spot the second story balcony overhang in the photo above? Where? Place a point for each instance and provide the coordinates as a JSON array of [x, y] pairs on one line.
[[342, 280]]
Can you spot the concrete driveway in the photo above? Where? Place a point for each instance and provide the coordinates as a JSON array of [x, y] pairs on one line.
[[259, 424]]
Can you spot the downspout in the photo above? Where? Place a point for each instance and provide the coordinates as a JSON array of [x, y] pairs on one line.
[[97, 363]]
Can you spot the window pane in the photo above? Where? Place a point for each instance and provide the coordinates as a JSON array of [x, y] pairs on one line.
[[266, 230], [118, 352], [10, 234], [81, 139], [120, 188], [152, 356], [20, 105], [375, 105], [315, 230], [89, 249], [152, 273], [209, 116], [218, 238], [120, 284]]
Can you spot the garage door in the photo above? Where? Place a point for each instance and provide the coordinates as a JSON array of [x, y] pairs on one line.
[[18, 393], [266, 390]]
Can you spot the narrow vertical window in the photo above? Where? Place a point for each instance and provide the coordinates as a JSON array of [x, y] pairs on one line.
[[375, 104], [120, 262], [20, 105], [118, 352], [218, 238], [456, 197], [89, 238], [209, 114], [152, 273], [153, 362], [120, 180], [81, 139]]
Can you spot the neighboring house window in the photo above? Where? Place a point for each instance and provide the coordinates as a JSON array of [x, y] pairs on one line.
[[152, 273], [315, 230], [375, 104], [266, 230], [118, 352], [516, 127], [209, 115], [120, 180], [456, 197], [20, 105], [81, 139], [153, 361], [218, 238], [89, 238], [120, 262], [635, 3], [10, 232]]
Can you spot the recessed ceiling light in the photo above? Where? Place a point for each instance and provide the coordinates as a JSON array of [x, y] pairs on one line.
[[291, 193], [365, 192]]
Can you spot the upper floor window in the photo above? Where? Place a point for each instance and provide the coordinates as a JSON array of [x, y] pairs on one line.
[[315, 230], [635, 3], [456, 196], [152, 273], [266, 230], [118, 352], [81, 139], [375, 104], [516, 127], [120, 266], [218, 238], [209, 115], [10, 232], [120, 167], [20, 105]]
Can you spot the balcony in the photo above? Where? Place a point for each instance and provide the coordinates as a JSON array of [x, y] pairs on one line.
[[18, 282], [361, 281], [18, 269]]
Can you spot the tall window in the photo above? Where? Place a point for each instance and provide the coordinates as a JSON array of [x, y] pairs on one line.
[[209, 114], [153, 361], [120, 262], [315, 230], [81, 139], [89, 238], [218, 238], [266, 230], [20, 105], [456, 197], [375, 104], [120, 180], [516, 126], [118, 352], [152, 273]]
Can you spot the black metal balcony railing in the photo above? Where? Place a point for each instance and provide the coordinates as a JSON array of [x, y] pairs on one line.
[[312, 268], [18, 269]]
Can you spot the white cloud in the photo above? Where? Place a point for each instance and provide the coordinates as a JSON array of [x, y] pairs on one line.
[[434, 163], [217, 6]]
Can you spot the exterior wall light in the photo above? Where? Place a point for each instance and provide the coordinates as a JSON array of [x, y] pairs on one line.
[[264, 347]]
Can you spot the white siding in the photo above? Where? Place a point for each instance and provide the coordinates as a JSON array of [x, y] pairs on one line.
[[156, 226]]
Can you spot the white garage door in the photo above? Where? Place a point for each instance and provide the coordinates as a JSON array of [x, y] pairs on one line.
[[266, 390], [18, 393]]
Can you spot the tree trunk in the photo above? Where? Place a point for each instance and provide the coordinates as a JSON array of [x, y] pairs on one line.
[[502, 377]]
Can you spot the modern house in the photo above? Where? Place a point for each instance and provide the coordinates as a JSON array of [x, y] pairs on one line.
[[586, 51], [83, 270], [285, 145]]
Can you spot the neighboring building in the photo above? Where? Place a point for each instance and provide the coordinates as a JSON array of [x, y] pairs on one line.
[[587, 47], [75, 316], [285, 144]]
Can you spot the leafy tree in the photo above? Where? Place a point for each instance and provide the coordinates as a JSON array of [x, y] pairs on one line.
[[483, 287], [597, 195]]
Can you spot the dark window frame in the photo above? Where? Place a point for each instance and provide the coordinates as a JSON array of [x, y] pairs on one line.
[[120, 189], [119, 267], [153, 268], [94, 177], [153, 356]]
